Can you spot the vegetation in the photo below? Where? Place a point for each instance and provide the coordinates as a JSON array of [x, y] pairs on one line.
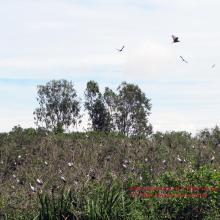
[[99, 168], [126, 112], [59, 107], [98, 113], [47, 174], [132, 110]]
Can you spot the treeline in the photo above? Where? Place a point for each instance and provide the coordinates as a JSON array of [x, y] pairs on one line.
[[125, 110]]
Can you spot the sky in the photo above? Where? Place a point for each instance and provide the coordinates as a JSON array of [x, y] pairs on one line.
[[77, 40]]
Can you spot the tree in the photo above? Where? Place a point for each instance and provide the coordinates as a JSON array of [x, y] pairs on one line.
[[59, 106], [132, 109], [98, 113]]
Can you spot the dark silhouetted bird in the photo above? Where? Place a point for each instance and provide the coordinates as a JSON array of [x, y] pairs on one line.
[[120, 50], [213, 66], [175, 39], [183, 59]]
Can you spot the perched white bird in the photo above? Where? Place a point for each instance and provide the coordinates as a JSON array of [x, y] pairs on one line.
[[70, 164], [146, 160], [39, 181], [212, 159], [63, 178], [178, 158], [14, 176], [45, 162], [33, 189], [164, 161], [19, 156], [124, 165], [126, 161]]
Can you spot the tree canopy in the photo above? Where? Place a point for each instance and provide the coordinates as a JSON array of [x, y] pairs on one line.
[[59, 106]]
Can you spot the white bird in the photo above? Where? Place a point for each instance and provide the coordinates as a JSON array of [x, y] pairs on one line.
[[70, 164], [126, 161], [212, 159], [178, 158], [124, 165], [14, 176], [146, 160], [19, 156], [63, 178], [120, 50], [39, 181], [45, 162], [164, 161], [33, 189]]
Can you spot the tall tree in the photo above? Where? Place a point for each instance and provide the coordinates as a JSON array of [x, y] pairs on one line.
[[97, 110], [132, 110], [59, 106]]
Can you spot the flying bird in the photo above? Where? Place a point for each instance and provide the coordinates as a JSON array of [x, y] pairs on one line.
[[183, 59], [213, 66], [120, 50], [175, 39]]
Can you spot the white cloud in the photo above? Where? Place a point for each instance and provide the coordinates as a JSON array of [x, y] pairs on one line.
[[149, 59]]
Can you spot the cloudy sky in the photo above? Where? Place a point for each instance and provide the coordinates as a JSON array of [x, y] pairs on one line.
[[77, 40]]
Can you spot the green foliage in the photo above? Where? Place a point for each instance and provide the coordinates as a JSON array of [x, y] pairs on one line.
[[132, 110], [210, 137], [125, 112], [99, 115], [23, 153], [58, 207], [59, 107], [189, 208]]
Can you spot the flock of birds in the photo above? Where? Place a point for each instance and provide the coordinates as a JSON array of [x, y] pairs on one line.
[[92, 175], [175, 40]]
